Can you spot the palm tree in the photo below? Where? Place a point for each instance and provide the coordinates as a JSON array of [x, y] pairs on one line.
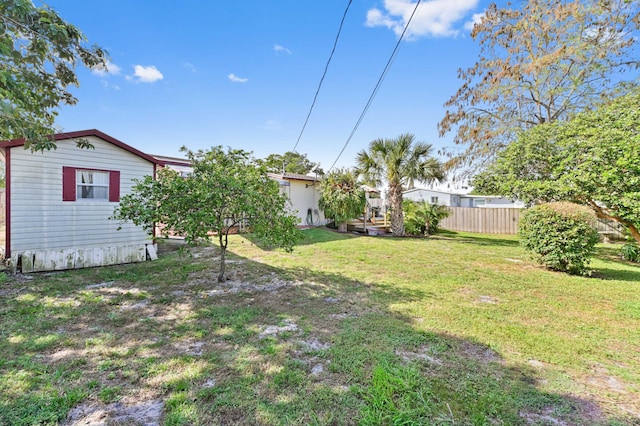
[[400, 162]]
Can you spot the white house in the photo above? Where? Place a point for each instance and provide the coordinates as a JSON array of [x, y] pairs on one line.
[[303, 192], [58, 203], [451, 199]]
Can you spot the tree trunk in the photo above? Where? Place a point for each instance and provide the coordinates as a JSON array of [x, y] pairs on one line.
[[342, 227], [221, 276], [600, 212], [395, 202], [223, 240], [634, 233]]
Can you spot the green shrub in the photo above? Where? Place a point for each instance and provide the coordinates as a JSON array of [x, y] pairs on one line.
[[630, 252], [422, 218], [562, 234]]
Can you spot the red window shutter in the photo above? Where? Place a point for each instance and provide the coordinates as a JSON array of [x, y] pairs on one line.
[[114, 186], [68, 183]]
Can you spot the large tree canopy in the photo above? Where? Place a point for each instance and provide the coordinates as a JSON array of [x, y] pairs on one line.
[[38, 54], [290, 162], [593, 159], [226, 190], [541, 62], [398, 162]]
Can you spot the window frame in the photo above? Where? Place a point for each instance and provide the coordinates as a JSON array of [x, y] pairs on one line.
[[482, 202], [80, 185], [70, 185]]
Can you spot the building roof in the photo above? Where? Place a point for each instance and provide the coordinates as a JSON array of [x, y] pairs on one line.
[[428, 190], [452, 193], [85, 134], [293, 176], [175, 161]]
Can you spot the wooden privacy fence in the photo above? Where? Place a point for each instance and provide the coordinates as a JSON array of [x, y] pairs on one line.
[[482, 220], [505, 221]]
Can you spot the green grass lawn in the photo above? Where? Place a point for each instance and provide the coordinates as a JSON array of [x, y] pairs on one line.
[[455, 329]]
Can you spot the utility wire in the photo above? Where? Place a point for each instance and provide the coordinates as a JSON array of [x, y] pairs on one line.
[[326, 67], [378, 84]]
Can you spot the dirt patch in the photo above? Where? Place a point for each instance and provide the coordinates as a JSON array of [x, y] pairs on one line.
[[274, 330], [144, 413], [419, 355], [601, 378], [546, 418], [487, 299], [479, 353], [313, 344]]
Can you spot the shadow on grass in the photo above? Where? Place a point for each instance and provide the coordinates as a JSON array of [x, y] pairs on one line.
[[479, 239], [617, 274], [310, 236], [248, 351]]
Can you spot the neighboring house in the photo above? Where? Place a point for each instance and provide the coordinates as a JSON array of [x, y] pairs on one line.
[[58, 203], [432, 196], [180, 165], [303, 192], [450, 199], [489, 201]]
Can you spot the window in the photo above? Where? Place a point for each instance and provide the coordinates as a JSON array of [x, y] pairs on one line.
[[434, 200], [90, 185], [479, 202]]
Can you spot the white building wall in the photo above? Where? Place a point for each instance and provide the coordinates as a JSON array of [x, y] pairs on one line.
[[41, 220], [489, 202], [304, 195], [503, 203], [419, 195]]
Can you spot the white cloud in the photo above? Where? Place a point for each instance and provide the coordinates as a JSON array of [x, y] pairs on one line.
[[149, 74], [234, 78], [108, 69], [281, 49], [191, 67], [436, 18], [475, 19]]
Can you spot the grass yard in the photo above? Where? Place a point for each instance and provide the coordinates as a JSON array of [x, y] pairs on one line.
[[457, 329]]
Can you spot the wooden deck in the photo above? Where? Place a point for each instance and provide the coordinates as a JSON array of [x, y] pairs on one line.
[[376, 227]]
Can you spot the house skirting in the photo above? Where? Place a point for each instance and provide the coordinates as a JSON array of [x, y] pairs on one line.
[[27, 261]]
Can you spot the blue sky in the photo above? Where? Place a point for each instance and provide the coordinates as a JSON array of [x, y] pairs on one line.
[[243, 74]]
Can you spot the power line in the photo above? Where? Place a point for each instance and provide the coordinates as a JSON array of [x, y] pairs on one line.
[[378, 84], [326, 67]]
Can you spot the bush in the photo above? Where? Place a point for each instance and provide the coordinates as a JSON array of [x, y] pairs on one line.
[[630, 252], [563, 235], [422, 218]]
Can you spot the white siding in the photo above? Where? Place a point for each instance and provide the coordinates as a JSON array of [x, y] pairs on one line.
[[420, 195], [41, 220], [303, 195], [490, 202]]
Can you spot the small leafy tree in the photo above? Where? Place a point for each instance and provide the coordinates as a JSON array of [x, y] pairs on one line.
[[341, 197], [38, 53], [224, 191], [562, 234], [422, 218]]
